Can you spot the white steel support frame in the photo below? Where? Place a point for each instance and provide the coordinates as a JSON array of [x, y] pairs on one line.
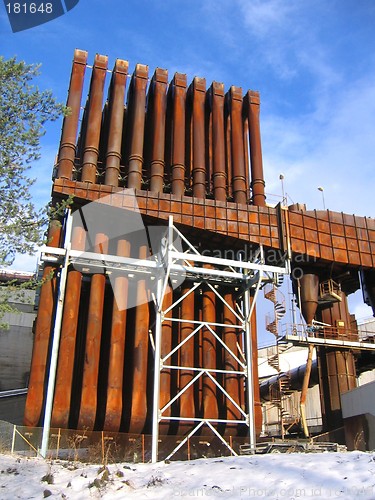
[[248, 277], [56, 335]]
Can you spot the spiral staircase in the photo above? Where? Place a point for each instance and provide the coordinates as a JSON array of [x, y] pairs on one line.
[[280, 390]]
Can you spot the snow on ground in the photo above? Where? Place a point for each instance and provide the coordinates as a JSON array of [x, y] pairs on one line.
[[281, 476]]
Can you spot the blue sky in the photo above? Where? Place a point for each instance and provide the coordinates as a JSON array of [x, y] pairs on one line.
[[313, 62]]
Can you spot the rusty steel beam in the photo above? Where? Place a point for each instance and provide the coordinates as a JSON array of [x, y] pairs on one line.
[[177, 90], [94, 120], [234, 99], [252, 104], [114, 403], [116, 99], [157, 102], [136, 105], [67, 150]]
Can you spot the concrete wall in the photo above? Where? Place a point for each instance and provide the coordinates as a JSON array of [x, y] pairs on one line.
[[358, 409], [16, 343]]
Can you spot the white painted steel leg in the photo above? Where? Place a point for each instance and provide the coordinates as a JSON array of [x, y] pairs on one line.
[[249, 355], [157, 368], [56, 338]]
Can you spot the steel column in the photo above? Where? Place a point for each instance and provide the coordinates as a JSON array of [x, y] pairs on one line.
[[218, 141], [67, 150], [157, 108], [114, 403], [197, 91], [252, 102], [116, 102], [177, 98], [136, 110]]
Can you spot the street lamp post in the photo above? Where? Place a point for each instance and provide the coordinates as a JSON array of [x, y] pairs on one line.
[[322, 191], [281, 177]]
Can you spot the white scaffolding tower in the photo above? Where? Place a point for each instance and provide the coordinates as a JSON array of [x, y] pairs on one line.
[[247, 278]]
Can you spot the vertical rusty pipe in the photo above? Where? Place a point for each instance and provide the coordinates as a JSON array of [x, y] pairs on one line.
[[117, 347], [234, 98], [187, 403], [116, 102], [67, 148], [232, 382], [91, 148], [65, 366], [157, 98], [209, 346], [64, 374], [43, 327], [139, 394], [337, 368], [166, 347], [137, 101], [198, 92], [252, 102], [218, 141], [89, 394], [178, 89]]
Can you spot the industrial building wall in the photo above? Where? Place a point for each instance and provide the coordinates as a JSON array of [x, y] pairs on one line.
[[16, 342]]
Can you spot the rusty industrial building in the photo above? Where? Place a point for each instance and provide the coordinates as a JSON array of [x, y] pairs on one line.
[[190, 154]]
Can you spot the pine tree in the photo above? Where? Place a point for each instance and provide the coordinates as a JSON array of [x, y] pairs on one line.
[[24, 110]]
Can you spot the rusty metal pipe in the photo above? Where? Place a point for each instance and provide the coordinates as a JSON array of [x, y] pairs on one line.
[[187, 403], [209, 347], [218, 141], [63, 386], [114, 403], [166, 374], [116, 101], [64, 374], [89, 394], [140, 355], [234, 99], [91, 148], [67, 150], [137, 101], [43, 328], [337, 372], [157, 100], [198, 93], [178, 89], [252, 102], [232, 382]]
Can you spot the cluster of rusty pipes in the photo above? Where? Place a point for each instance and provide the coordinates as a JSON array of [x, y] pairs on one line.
[[189, 141]]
